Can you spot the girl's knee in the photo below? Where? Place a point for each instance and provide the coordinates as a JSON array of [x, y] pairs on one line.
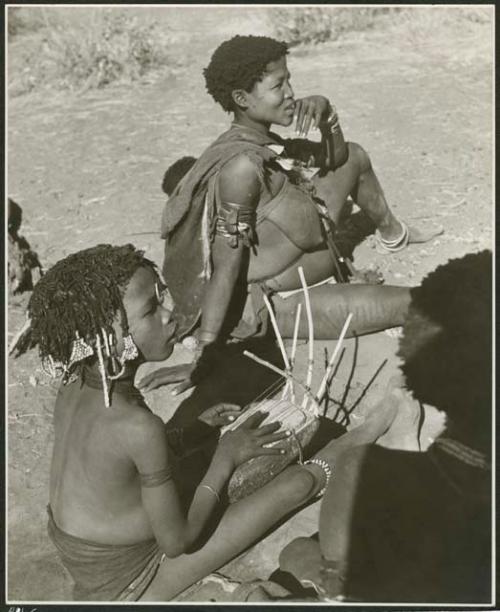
[[296, 484], [359, 155]]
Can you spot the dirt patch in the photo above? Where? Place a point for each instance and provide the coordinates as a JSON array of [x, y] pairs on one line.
[[88, 169]]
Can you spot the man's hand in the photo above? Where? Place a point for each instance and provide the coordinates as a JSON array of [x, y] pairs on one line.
[[220, 414], [311, 110], [181, 373]]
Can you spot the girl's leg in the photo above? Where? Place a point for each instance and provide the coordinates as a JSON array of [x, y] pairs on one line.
[[249, 519], [242, 524], [374, 308]]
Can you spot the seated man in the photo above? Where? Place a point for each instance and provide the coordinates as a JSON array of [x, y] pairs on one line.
[[118, 515], [404, 526]]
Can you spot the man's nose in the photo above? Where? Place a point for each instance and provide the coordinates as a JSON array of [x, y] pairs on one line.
[[289, 90]]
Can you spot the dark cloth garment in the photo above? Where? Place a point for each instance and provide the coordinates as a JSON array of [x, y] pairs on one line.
[[409, 528], [188, 225], [420, 529], [106, 572]]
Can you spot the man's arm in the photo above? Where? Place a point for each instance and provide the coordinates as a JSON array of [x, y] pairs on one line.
[[332, 152], [239, 190]]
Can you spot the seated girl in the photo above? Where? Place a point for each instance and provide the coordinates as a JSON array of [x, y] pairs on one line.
[[124, 520], [254, 208]]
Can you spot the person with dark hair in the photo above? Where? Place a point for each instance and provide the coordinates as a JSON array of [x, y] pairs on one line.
[[24, 266], [255, 208], [125, 519], [175, 173], [407, 526]]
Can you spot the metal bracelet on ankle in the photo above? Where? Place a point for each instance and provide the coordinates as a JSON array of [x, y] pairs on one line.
[[325, 467]]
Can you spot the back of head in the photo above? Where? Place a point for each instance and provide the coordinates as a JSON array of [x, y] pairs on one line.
[[447, 344], [239, 63], [176, 172], [80, 298]]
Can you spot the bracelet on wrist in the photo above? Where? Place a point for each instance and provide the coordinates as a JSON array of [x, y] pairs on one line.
[[326, 469], [197, 342], [206, 337], [211, 489], [332, 118]]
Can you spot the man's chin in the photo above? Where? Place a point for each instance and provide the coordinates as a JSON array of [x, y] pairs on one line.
[[169, 350]]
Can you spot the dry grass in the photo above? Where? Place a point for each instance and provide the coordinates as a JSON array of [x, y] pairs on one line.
[[320, 24], [83, 49]]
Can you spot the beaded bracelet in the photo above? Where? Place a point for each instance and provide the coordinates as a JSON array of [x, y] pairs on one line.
[[325, 467]]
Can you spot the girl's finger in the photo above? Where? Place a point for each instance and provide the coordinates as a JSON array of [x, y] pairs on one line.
[[267, 429], [281, 435], [269, 451], [225, 409], [253, 421]]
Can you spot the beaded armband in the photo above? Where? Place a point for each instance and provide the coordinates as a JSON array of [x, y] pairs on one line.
[[236, 222]]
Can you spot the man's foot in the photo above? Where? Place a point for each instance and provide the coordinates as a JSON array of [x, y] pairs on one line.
[[418, 236], [392, 241]]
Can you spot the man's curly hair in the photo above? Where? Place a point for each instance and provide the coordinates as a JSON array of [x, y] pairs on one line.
[[239, 63], [447, 344], [81, 293]]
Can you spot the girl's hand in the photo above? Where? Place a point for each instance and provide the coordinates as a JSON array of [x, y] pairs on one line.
[[221, 414], [311, 110], [249, 440]]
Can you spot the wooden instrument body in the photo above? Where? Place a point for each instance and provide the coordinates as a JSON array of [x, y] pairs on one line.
[[253, 474]]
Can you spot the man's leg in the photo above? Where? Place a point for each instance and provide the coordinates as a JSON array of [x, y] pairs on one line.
[[374, 307], [356, 178]]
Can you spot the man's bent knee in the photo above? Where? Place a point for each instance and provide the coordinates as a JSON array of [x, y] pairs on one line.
[[360, 156]]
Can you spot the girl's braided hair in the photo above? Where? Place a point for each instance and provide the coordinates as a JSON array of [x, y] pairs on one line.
[[239, 63], [81, 293]]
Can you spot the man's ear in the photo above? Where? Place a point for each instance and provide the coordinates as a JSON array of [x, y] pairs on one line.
[[240, 98]]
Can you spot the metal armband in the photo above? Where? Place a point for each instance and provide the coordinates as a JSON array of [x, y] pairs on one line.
[[236, 222]]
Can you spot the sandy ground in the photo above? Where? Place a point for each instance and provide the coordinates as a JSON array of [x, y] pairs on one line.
[[88, 169]]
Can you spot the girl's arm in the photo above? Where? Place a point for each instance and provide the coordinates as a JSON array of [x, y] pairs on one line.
[[175, 531]]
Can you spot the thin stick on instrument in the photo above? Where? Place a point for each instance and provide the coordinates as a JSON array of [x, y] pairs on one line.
[[295, 334], [281, 372], [310, 326], [294, 347], [288, 385], [324, 383]]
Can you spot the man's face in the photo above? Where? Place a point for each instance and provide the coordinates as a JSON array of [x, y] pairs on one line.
[[149, 315], [271, 99]]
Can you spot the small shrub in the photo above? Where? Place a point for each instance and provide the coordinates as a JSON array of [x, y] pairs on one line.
[[21, 21], [319, 24], [113, 45]]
